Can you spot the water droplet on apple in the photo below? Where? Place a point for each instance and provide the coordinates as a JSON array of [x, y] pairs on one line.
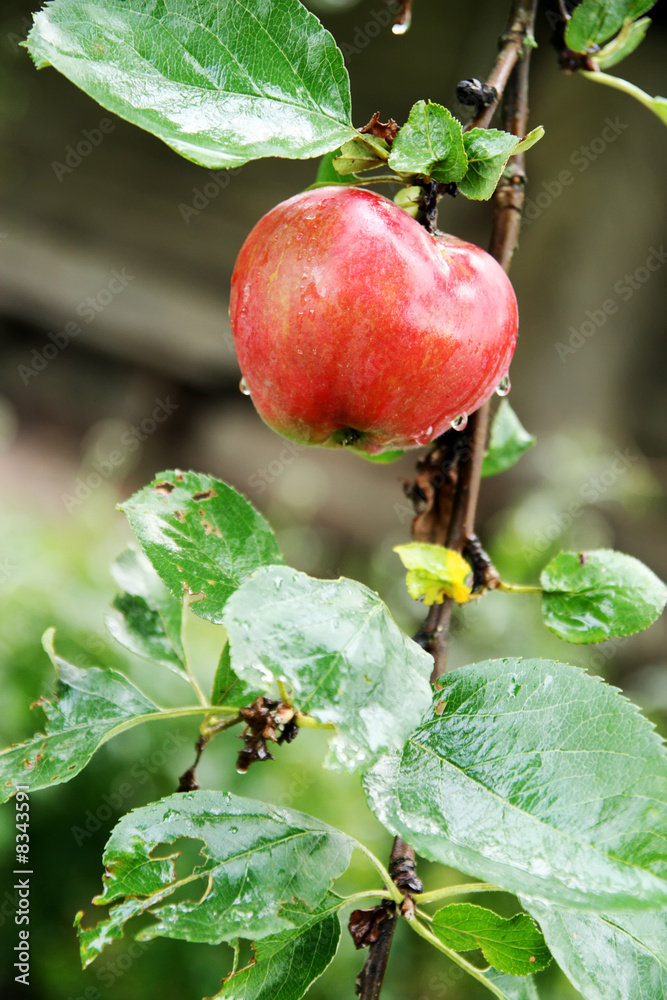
[[299, 236], [243, 386], [504, 386], [425, 437], [461, 422]]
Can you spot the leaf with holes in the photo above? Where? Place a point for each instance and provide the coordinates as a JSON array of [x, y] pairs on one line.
[[334, 643], [534, 776], [145, 618], [285, 965], [593, 596], [220, 81], [89, 707], [202, 537], [255, 860]]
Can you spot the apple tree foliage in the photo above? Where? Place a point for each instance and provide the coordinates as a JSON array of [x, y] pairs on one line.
[[528, 775]]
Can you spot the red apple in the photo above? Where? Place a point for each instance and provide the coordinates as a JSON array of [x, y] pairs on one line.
[[354, 326]]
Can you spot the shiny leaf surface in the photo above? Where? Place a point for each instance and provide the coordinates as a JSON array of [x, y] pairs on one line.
[[435, 572], [254, 859], [287, 964], [145, 617], [220, 81], [593, 22], [508, 441], [514, 945], [593, 596], [88, 707], [202, 537], [339, 650], [534, 776], [431, 144], [622, 956]]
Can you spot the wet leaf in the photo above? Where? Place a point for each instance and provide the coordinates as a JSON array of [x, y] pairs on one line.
[[88, 708], [256, 860], [431, 144], [488, 150], [594, 596], [620, 956], [286, 964], [220, 81], [228, 688], [435, 573], [145, 618], [202, 537], [340, 652], [513, 945], [592, 22], [534, 776], [507, 442]]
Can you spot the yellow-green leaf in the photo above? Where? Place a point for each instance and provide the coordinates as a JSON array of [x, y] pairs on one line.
[[435, 573]]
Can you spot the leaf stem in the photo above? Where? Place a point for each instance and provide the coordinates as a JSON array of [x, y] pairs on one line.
[[455, 890], [471, 969], [308, 722], [169, 713], [627, 88], [366, 894], [517, 588], [394, 892]]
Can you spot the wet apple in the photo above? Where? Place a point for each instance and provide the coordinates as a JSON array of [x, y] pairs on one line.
[[356, 327]]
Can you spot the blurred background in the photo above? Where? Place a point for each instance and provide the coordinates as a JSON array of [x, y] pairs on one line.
[[116, 257]]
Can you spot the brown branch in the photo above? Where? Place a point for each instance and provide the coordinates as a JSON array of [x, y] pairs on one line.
[[449, 477]]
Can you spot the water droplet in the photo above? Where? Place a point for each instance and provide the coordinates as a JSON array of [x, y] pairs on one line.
[[461, 422], [233, 829], [243, 386], [425, 437], [299, 236], [504, 386], [401, 26]]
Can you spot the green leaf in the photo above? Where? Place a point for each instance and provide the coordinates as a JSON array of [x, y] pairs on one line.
[[89, 707], [327, 173], [254, 859], [286, 964], [362, 153], [430, 143], [228, 688], [593, 21], [594, 596], [529, 140], [220, 81], [507, 442], [513, 945], [631, 35], [488, 150], [435, 572], [202, 537], [534, 776], [622, 956], [145, 618], [337, 647], [658, 105]]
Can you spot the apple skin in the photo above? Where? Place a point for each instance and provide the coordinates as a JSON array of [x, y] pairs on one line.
[[355, 327]]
